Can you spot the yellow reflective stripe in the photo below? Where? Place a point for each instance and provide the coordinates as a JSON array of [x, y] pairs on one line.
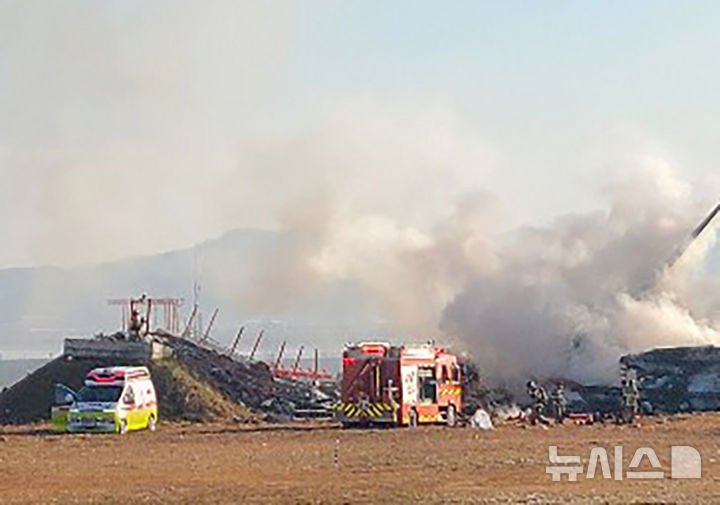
[[369, 410], [450, 391]]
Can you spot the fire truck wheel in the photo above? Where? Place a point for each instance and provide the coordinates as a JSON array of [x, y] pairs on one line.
[[413, 419], [451, 416]]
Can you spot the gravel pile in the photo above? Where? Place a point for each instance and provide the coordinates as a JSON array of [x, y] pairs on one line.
[[251, 384]]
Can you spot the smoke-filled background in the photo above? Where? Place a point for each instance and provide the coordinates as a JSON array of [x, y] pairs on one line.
[[512, 181], [560, 300]]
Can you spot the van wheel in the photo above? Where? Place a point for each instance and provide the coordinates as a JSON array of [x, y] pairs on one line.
[[152, 423], [123, 429], [413, 419], [451, 416]]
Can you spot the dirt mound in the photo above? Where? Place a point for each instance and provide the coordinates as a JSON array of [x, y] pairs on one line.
[[195, 383], [248, 383], [181, 396], [31, 398]]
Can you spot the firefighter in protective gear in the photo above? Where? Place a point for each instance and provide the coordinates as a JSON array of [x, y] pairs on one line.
[[630, 399], [135, 324], [539, 397], [135, 328], [559, 402]]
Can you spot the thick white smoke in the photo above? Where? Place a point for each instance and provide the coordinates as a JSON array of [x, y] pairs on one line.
[[154, 126], [565, 299], [568, 299]]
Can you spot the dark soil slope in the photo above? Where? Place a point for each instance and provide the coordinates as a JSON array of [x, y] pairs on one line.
[[181, 396], [196, 383]]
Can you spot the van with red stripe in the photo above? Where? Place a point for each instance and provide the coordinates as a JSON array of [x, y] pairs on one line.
[[116, 399]]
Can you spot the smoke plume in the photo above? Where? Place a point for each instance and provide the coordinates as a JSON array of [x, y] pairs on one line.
[[561, 300], [128, 128]]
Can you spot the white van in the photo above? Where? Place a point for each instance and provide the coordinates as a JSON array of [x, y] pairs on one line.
[[116, 399]]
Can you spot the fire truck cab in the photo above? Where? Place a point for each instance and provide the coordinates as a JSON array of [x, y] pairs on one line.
[[399, 385]]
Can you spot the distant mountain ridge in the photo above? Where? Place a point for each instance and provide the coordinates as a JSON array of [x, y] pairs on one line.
[[41, 306]]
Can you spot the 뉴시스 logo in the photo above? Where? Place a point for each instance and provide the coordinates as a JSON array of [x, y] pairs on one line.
[[685, 463]]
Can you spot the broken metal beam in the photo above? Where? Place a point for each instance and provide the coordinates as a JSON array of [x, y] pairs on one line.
[[280, 355], [257, 343], [186, 331], [297, 360], [237, 341], [694, 235], [210, 325]]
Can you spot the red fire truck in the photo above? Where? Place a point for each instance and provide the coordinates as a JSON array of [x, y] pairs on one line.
[[399, 385]]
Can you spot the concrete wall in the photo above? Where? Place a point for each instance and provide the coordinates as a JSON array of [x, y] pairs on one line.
[[89, 348]]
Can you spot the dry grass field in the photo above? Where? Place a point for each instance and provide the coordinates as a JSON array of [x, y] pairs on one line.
[[183, 463]]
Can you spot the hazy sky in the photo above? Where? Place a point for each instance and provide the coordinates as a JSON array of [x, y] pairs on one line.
[[131, 127]]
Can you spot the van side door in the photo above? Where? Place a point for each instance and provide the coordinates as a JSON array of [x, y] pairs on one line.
[[63, 398]]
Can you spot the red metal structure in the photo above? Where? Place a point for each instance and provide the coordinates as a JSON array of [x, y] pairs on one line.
[[296, 372], [302, 374], [143, 307], [399, 385]]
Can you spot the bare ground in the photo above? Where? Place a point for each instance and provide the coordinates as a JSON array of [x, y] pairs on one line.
[[183, 463]]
